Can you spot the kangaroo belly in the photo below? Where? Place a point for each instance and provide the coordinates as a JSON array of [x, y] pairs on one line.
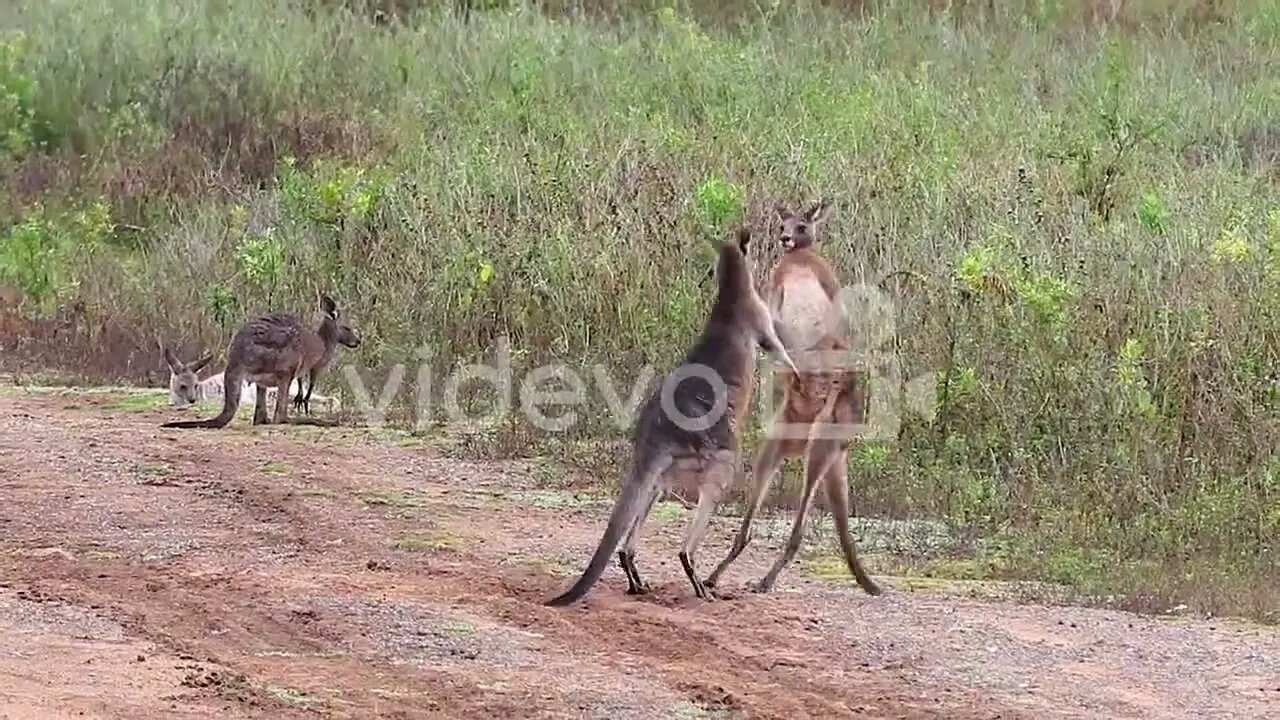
[[689, 474], [803, 314], [263, 380]]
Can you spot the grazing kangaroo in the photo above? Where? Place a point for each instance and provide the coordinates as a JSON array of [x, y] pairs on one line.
[[820, 405], [186, 388], [686, 432], [271, 351]]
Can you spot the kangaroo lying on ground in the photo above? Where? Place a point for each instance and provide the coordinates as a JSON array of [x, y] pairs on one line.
[[186, 388], [821, 404], [711, 389], [271, 351]]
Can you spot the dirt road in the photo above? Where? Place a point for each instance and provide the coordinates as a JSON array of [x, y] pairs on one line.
[[300, 572]]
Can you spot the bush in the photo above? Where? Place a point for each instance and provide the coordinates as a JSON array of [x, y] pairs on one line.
[[1091, 218]]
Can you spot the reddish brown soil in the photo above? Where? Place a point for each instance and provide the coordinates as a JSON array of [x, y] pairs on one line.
[[302, 572]]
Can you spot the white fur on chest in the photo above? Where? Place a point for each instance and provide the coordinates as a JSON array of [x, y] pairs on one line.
[[803, 311]]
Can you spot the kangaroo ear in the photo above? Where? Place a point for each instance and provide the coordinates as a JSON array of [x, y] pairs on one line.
[[198, 365], [329, 307], [172, 361], [819, 212], [782, 211], [744, 239]]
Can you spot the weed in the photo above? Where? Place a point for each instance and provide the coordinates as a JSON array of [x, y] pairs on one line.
[[394, 499], [424, 543], [292, 696], [1095, 306], [140, 402]]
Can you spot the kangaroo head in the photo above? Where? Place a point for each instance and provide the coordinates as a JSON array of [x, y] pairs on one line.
[[334, 328], [184, 386], [800, 230]]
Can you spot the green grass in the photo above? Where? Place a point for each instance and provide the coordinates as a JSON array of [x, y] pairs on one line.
[[153, 470], [394, 499], [1088, 214], [556, 499], [667, 512], [138, 402], [424, 543]]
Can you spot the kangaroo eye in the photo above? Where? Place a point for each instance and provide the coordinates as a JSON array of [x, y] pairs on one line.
[[801, 228]]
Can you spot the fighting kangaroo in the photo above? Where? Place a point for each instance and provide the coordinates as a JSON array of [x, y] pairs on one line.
[[686, 433], [821, 405], [271, 351]]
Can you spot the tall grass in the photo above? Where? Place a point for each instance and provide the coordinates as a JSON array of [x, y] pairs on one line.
[[1086, 204]]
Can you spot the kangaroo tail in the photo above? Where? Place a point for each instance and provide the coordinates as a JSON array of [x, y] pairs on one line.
[[231, 381], [636, 489]]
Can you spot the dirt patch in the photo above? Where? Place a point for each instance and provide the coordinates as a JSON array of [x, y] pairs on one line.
[[294, 593], [66, 661]]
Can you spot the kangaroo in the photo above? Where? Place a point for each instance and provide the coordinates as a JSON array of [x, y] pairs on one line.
[[803, 287], [302, 402], [826, 403], [186, 388], [686, 432], [323, 354], [826, 400], [271, 351]]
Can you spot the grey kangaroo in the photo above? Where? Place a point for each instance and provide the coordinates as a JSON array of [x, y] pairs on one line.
[[270, 351], [700, 448]]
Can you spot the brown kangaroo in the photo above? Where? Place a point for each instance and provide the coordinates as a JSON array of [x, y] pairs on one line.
[[687, 431], [803, 286], [821, 404], [270, 351]]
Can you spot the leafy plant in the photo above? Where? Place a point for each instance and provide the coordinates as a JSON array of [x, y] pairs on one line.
[[17, 97], [719, 203], [220, 303], [1231, 246], [260, 261], [1153, 214], [37, 253]]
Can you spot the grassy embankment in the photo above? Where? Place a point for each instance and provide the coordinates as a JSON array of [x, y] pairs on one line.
[[1088, 209]]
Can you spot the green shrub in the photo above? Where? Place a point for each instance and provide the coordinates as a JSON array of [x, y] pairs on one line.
[[1085, 223]]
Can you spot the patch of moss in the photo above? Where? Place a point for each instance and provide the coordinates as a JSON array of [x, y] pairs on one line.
[[395, 499], [424, 543], [139, 402]]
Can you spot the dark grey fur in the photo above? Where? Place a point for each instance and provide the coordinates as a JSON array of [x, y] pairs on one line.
[[666, 454], [271, 351]]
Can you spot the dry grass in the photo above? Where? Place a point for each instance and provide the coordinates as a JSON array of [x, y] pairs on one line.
[[1080, 197]]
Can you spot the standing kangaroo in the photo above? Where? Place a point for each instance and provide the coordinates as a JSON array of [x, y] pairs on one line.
[[802, 290], [271, 351], [186, 387], [687, 430], [819, 406]]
